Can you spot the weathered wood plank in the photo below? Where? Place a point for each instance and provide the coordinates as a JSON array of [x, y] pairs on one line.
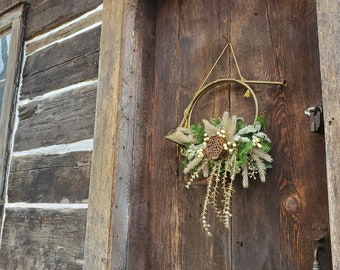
[[107, 223], [59, 53], [254, 243], [46, 15], [62, 64], [7, 4], [43, 239], [139, 186], [329, 43], [50, 179], [64, 32], [60, 119], [176, 238], [41, 19], [299, 166], [14, 21], [74, 71], [164, 233]]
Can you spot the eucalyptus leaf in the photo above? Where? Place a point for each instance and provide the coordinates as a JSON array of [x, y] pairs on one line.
[[239, 138], [248, 129]]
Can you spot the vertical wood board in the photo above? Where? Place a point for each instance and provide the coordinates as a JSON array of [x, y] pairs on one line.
[[107, 222], [329, 40]]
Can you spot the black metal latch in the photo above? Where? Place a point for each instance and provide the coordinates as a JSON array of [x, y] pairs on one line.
[[315, 114]]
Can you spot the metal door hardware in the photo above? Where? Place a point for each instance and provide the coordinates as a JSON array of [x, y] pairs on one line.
[[315, 114], [319, 232]]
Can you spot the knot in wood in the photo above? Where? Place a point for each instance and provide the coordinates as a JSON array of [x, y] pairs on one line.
[[215, 149]]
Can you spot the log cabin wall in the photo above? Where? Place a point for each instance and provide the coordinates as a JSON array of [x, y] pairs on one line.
[[47, 187]]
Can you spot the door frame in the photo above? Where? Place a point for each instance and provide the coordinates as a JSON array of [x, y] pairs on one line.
[[126, 49]]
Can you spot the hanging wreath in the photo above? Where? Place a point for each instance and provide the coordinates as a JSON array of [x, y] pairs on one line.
[[218, 151], [223, 148]]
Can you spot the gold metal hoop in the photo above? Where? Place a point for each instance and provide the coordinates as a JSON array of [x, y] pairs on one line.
[[203, 89], [201, 92]]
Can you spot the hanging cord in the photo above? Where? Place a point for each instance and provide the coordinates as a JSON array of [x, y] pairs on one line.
[[202, 89]]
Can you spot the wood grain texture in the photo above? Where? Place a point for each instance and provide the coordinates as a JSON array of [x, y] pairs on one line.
[[50, 179], [43, 239], [56, 120], [14, 21], [165, 214], [138, 236], [256, 212], [46, 15], [74, 71], [64, 32], [6, 5], [300, 154], [183, 57], [107, 223], [329, 44], [62, 64], [272, 222]]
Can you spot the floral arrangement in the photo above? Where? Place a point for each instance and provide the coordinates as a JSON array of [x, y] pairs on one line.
[[218, 151]]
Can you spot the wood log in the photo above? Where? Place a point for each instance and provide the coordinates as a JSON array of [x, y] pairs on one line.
[[50, 179], [46, 15], [62, 64], [59, 119], [43, 239], [64, 32]]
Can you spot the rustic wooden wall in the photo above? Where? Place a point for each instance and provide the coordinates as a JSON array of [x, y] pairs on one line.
[[329, 40], [272, 225], [48, 184], [273, 41]]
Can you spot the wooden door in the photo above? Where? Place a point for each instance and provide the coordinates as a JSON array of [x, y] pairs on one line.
[[273, 221]]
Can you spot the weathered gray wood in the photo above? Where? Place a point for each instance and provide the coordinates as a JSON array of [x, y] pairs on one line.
[[112, 166], [59, 119], [6, 5], [43, 239], [144, 26], [50, 179], [14, 20], [77, 70], [46, 15], [73, 28], [329, 44], [59, 53], [62, 64]]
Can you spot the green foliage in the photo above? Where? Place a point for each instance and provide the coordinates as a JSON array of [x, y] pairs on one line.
[[198, 132], [262, 120], [215, 121], [242, 153], [185, 162], [266, 146], [239, 125]]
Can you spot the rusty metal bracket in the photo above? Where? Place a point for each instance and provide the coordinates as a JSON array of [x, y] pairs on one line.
[[315, 113]]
